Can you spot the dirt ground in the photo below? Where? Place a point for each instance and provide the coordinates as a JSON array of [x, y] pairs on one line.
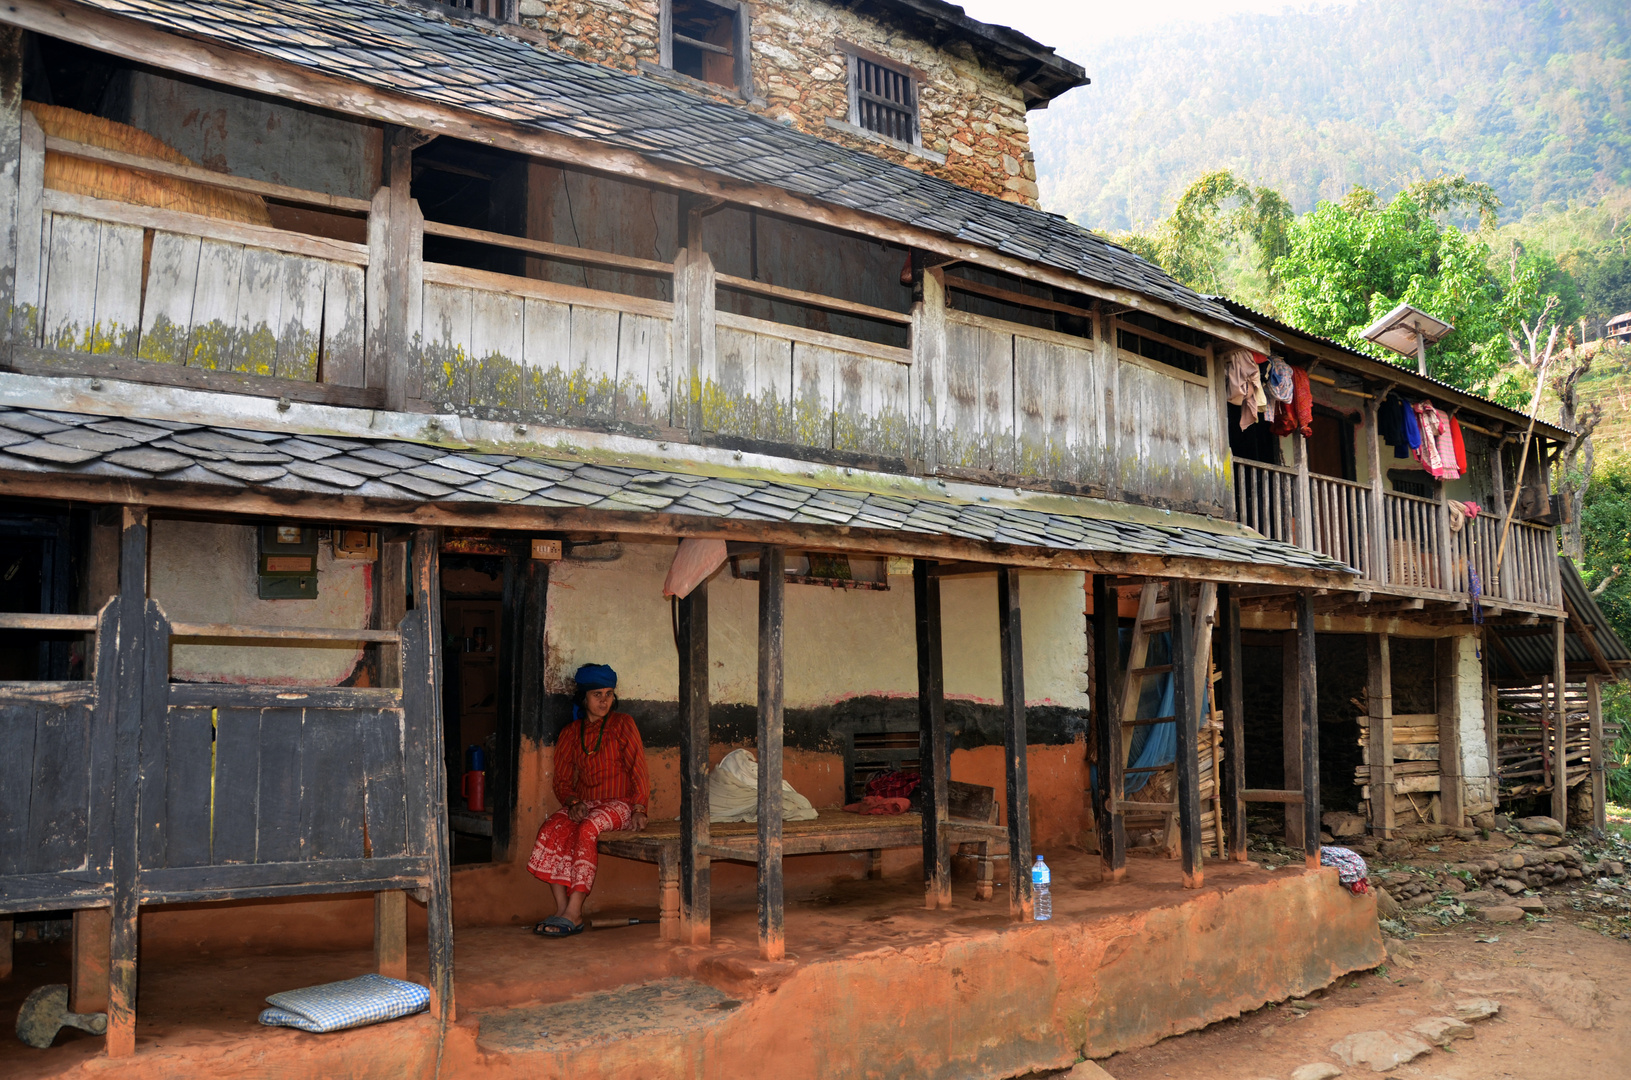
[[1563, 981]]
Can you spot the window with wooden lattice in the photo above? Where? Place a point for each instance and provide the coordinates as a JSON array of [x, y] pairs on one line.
[[707, 40], [500, 10], [883, 97]]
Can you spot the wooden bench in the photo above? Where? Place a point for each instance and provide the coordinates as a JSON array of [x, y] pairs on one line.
[[832, 832]]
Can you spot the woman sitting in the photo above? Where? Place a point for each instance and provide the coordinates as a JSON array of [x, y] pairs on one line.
[[602, 784]]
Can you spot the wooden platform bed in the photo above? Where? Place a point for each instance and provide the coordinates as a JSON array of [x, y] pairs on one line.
[[833, 831]]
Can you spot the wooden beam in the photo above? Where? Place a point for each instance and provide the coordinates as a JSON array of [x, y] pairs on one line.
[[1599, 779], [425, 678], [88, 978], [772, 608], [1308, 693], [1273, 795], [158, 494], [695, 872], [1015, 745], [1560, 726], [1231, 696], [1449, 734], [1107, 729], [1186, 630], [934, 750], [128, 699], [1300, 493], [57, 363], [1379, 693]]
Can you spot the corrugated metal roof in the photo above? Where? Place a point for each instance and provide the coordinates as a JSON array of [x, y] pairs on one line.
[[1532, 647], [1407, 379]]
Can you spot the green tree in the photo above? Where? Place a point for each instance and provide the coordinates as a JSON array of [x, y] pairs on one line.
[[1220, 224], [1351, 262], [1605, 565]]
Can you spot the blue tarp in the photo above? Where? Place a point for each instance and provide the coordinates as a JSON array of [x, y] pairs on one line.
[[1152, 745]]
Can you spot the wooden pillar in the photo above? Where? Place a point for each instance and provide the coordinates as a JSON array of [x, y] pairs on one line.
[[427, 604], [772, 605], [390, 606], [391, 934], [695, 872], [934, 751], [88, 978], [1291, 732], [929, 364], [694, 312], [1560, 726], [1231, 695], [1308, 694], [1378, 500], [129, 703], [1450, 794], [396, 245], [1107, 728], [1443, 542], [8, 932], [1379, 691], [1599, 780], [1186, 628], [1305, 519], [1014, 744]]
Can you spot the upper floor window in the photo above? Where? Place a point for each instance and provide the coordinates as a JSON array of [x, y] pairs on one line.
[[707, 40], [501, 10], [1153, 338], [882, 97]]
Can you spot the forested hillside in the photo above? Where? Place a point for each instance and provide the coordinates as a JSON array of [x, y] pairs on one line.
[[1529, 97]]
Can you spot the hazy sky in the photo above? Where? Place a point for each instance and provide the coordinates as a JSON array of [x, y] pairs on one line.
[[1062, 23]]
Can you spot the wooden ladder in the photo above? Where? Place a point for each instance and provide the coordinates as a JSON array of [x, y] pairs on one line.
[[1148, 623]]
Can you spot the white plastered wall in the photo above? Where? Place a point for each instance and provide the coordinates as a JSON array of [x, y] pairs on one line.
[[1478, 789], [839, 643]]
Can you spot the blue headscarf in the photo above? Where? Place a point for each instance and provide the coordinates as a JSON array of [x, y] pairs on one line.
[[593, 677]]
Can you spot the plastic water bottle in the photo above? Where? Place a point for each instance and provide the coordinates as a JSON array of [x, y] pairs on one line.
[[1042, 899]]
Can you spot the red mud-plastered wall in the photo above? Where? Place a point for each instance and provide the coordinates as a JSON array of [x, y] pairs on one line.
[[505, 894]]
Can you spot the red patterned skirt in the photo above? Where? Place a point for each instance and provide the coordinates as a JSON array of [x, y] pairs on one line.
[[565, 853]]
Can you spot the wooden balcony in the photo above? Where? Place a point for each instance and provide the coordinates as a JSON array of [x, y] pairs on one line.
[[1401, 543]]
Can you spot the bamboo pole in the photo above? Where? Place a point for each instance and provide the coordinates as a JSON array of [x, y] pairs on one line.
[[1523, 458]]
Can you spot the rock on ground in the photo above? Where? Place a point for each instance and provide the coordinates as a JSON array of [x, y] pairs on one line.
[[1319, 1070], [1501, 913], [1386, 906], [1475, 1009], [1381, 1050], [1540, 825], [1087, 1070], [1442, 1030]]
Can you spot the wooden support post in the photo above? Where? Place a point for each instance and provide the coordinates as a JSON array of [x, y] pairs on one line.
[[1305, 516], [1444, 542], [1308, 693], [934, 751], [123, 938], [1377, 540], [391, 933], [1560, 726], [8, 934], [695, 872], [1291, 733], [694, 314], [1599, 779], [1107, 728], [772, 606], [88, 978], [1231, 695], [1379, 691], [929, 365], [1014, 744], [427, 606], [1186, 629], [1450, 796], [396, 231]]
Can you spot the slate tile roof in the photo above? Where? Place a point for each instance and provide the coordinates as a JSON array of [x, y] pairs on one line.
[[422, 54], [233, 461]]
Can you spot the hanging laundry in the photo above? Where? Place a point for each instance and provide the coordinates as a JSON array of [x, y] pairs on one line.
[[1448, 470], [1390, 425], [1458, 514], [1245, 383], [1460, 446], [1412, 429], [1473, 509], [1427, 448], [1302, 402], [1280, 392]]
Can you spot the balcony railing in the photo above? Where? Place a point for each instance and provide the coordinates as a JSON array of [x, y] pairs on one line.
[[1400, 542]]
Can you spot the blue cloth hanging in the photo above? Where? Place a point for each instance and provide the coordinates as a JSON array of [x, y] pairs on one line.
[[1152, 745]]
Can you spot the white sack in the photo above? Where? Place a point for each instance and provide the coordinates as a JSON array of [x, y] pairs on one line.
[[733, 792]]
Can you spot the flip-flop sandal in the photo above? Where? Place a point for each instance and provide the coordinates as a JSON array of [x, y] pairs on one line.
[[557, 927]]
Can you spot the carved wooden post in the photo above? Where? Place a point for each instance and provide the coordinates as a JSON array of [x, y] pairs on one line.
[[1014, 744]]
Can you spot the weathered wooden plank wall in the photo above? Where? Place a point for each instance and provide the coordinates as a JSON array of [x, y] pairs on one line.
[[1169, 437]]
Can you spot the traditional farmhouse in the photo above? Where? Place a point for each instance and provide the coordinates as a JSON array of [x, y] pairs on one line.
[[370, 367]]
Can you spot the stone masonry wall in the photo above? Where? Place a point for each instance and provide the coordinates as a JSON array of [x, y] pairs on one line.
[[969, 112]]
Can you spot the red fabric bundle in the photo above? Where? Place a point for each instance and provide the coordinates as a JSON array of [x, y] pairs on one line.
[[895, 784], [1302, 402], [874, 805]]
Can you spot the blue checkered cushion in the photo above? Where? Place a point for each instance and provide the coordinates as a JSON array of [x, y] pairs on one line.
[[367, 999]]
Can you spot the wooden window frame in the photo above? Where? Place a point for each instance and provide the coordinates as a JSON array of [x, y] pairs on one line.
[[741, 43], [853, 55], [503, 11], [1118, 327]]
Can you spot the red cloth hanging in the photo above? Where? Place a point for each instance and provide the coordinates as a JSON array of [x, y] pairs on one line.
[[1460, 447], [1302, 402]]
